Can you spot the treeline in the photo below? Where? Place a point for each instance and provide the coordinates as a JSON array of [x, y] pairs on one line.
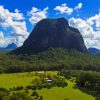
[[6, 94], [53, 59], [87, 81]]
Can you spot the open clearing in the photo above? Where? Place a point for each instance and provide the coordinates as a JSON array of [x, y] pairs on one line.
[[56, 93]]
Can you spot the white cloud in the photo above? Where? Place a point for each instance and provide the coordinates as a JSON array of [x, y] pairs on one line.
[[1, 35], [3, 41], [89, 29], [95, 20], [6, 17], [15, 21], [64, 9], [37, 14], [79, 6]]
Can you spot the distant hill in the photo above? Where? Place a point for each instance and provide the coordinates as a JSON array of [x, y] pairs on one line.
[[10, 47], [93, 50], [55, 33]]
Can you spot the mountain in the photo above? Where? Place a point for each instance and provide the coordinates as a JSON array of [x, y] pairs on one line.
[[9, 47], [55, 33], [93, 50]]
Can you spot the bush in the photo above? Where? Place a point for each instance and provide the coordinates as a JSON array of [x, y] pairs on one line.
[[34, 93], [17, 88], [19, 96]]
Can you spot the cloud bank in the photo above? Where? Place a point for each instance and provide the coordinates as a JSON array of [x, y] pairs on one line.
[[15, 21], [90, 34], [65, 9], [37, 14]]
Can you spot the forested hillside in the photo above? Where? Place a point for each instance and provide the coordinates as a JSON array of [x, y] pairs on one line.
[[53, 59]]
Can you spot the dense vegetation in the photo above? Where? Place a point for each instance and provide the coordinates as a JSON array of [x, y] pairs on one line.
[[5, 94], [53, 59], [87, 81]]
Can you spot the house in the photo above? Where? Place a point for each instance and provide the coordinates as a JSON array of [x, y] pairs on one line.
[[40, 73], [49, 80]]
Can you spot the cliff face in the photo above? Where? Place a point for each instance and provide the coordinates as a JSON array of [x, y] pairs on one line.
[[54, 33]]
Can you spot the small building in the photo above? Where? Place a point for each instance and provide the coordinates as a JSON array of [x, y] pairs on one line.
[[40, 73], [49, 80]]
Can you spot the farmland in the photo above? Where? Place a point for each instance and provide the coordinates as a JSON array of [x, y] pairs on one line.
[[9, 81]]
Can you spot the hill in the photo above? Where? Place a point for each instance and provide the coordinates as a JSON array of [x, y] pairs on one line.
[[9, 47], [53, 59], [55, 33], [93, 50]]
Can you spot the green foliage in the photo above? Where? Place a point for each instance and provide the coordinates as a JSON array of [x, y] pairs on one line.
[[18, 95], [16, 83], [87, 81], [47, 81], [53, 59]]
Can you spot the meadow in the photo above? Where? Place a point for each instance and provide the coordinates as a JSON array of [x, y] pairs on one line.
[[55, 93]]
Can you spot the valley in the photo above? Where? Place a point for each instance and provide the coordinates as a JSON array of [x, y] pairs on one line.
[[68, 92]]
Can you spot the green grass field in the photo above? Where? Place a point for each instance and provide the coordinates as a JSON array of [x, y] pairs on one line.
[[64, 93], [56, 93]]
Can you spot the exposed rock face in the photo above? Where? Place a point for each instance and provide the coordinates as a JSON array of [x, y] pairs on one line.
[[54, 33]]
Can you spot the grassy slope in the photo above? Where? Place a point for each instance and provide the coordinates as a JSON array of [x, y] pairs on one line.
[[19, 79], [24, 79], [64, 93]]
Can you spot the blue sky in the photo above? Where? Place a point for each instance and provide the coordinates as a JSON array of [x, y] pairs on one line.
[[90, 7], [18, 17]]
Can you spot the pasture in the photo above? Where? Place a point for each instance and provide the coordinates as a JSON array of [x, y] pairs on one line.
[[54, 93]]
